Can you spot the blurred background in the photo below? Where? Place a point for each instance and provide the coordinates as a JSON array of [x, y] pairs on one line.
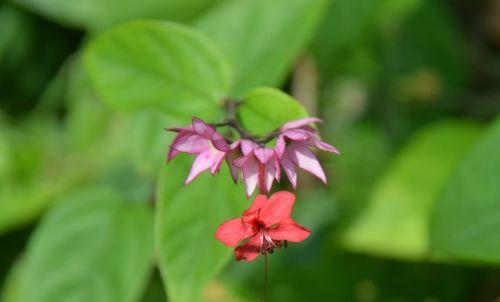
[[408, 90]]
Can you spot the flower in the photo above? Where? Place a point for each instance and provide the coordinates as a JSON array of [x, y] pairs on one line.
[[292, 148], [203, 140], [264, 226], [259, 165]]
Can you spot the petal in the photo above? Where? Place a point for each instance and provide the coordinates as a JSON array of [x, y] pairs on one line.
[[297, 134], [202, 128], [230, 158], [300, 123], [217, 163], [289, 167], [306, 160], [250, 173], [247, 146], [202, 162], [250, 250], [316, 142], [257, 203], [270, 174], [289, 230], [280, 145], [192, 144], [263, 154], [219, 142], [232, 232], [277, 208]]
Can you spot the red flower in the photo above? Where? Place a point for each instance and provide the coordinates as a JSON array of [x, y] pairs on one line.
[[266, 224]]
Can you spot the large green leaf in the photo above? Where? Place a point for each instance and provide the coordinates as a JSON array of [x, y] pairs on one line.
[[186, 220], [94, 246], [262, 37], [396, 220], [158, 65], [98, 14], [265, 109], [466, 221]]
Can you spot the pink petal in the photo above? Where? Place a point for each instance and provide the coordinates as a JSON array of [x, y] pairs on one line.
[[202, 162], [297, 134], [289, 230], [232, 232], [316, 142], [250, 173], [250, 250], [263, 154], [270, 174], [230, 158], [289, 167], [180, 129], [247, 146], [202, 129], [300, 123], [280, 145], [192, 144], [218, 162], [277, 208], [306, 160], [219, 142]]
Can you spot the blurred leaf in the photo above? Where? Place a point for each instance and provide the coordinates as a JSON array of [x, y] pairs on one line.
[[82, 103], [344, 25], [149, 140], [391, 13], [395, 222], [466, 222], [265, 109], [99, 14], [262, 37], [11, 291], [92, 247], [158, 65], [11, 22], [186, 220]]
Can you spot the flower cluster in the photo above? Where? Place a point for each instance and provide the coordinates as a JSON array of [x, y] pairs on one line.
[[266, 224], [258, 165]]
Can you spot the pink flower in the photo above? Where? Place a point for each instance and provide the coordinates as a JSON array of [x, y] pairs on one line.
[[205, 142], [292, 148], [259, 165], [264, 226]]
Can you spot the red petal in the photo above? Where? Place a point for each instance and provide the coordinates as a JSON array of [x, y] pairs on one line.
[[258, 202], [277, 208], [232, 232], [289, 230], [250, 250]]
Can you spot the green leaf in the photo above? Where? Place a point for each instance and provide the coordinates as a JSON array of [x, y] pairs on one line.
[[11, 291], [265, 109], [186, 220], [396, 220], [160, 66], [466, 221], [99, 14], [92, 247], [262, 38]]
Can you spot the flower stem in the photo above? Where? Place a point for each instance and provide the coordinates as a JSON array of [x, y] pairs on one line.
[[232, 121], [266, 278]]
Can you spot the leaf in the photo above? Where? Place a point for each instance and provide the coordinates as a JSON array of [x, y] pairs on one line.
[[186, 220], [92, 247], [265, 109], [99, 14], [160, 66], [11, 287], [466, 221], [396, 220], [262, 38]]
